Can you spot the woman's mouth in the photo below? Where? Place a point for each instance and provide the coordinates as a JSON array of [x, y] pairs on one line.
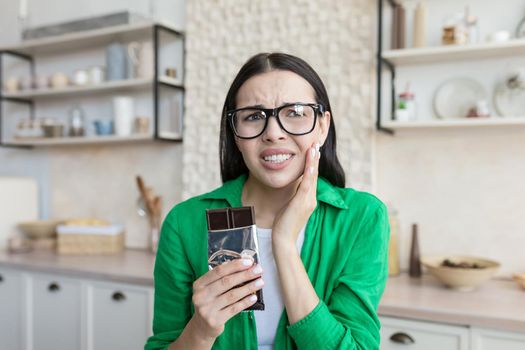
[[276, 159]]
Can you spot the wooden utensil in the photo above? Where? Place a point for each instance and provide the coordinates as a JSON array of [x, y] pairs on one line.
[[148, 198]]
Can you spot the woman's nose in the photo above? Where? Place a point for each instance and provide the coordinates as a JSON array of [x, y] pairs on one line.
[[273, 131]]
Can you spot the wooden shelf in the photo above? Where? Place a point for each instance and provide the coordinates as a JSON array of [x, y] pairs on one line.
[[89, 38], [171, 81], [454, 52], [59, 141], [122, 85], [132, 84], [451, 123]]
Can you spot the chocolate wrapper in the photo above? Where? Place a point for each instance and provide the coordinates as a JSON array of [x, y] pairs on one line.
[[232, 234]]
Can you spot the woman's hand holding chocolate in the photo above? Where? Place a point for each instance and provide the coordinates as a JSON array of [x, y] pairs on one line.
[[218, 296]]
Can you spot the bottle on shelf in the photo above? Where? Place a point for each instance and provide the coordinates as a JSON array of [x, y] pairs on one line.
[[420, 26], [398, 27], [414, 267], [472, 29], [393, 247]]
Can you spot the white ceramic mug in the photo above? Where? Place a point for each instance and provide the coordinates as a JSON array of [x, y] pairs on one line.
[[81, 77], [96, 75]]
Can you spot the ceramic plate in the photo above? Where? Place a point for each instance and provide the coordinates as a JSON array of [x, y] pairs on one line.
[[455, 97]]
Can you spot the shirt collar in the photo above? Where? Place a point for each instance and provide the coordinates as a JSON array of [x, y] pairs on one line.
[[231, 191]]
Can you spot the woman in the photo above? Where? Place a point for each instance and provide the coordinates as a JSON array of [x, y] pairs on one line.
[[323, 247]]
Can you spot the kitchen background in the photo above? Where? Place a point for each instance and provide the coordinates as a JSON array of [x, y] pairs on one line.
[[461, 183]]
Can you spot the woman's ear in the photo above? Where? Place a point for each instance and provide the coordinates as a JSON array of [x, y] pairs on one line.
[[324, 126]]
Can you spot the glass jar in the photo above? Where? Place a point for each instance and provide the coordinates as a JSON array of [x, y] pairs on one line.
[[76, 121]]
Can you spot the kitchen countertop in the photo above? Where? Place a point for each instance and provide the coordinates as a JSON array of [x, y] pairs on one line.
[[129, 266], [497, 303]]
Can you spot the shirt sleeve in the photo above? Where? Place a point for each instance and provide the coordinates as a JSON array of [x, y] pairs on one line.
[[173, 278], [350, 315]]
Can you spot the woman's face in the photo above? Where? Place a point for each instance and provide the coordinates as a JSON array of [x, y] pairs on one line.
[[270, 90]]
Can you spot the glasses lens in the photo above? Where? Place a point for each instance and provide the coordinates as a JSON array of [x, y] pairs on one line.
[[297, 119], [249, 122]]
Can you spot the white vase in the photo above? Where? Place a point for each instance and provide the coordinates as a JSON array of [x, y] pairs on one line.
[[123, 112]]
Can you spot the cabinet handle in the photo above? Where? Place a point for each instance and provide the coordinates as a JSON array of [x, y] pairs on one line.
[[1, 278], [118, 296], [401, 338], [53, 287]]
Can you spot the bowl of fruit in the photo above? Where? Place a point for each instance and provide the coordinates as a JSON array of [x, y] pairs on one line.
[[460, 272]]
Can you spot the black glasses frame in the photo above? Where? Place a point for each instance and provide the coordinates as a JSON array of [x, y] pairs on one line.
[[274, 112]]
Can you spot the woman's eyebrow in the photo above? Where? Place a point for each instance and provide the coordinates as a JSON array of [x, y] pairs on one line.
[[261, 106]]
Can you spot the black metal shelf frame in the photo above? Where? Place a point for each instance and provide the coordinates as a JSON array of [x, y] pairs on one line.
[[381, 61], [157, 29]]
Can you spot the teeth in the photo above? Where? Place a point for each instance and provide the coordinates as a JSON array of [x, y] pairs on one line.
[[277, 158]]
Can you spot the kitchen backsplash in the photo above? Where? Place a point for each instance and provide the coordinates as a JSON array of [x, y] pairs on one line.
[[464, 187], [335, 37]]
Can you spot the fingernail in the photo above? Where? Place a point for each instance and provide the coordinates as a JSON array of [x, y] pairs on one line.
[[257, 269], [312, 152], [253, 298], [247, 262], [311, 170], [259, 282]]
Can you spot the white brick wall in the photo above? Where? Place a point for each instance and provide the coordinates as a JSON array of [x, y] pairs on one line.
[[335, 37]]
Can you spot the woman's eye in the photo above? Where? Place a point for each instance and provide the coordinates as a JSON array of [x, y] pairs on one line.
[[254, 117], [298, 111]]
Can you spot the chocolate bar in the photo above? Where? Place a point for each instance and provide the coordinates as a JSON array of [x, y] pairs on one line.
[[232, 234]]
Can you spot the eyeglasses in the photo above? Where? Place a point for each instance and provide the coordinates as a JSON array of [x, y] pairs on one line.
[[294, 118]]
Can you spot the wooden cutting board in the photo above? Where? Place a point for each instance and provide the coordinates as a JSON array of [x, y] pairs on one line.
[[18, 202]]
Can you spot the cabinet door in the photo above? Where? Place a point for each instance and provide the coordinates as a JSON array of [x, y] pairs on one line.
[[11, 309], [119, 316], [56, 305], [485, 339], [418, 335]]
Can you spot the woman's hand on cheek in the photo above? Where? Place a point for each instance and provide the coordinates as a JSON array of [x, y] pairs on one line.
[[289, 222]]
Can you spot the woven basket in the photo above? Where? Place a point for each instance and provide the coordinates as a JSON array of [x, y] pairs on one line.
[[80, 244]]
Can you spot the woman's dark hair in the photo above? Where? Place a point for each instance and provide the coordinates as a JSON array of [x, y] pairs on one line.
[[232, 163]]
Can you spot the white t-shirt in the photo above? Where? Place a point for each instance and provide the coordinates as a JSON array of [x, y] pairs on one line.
[[268, 319]]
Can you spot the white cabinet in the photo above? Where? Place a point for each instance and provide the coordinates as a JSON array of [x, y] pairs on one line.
[[56, 313], [119, 316], [399, 333], [488, 339], [40, 311], [11, 309], [416, 335]]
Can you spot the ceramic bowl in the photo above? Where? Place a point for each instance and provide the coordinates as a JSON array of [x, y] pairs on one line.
[[461, 278], [39, 229]]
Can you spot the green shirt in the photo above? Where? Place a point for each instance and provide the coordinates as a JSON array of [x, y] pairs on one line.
[[344, 253]]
